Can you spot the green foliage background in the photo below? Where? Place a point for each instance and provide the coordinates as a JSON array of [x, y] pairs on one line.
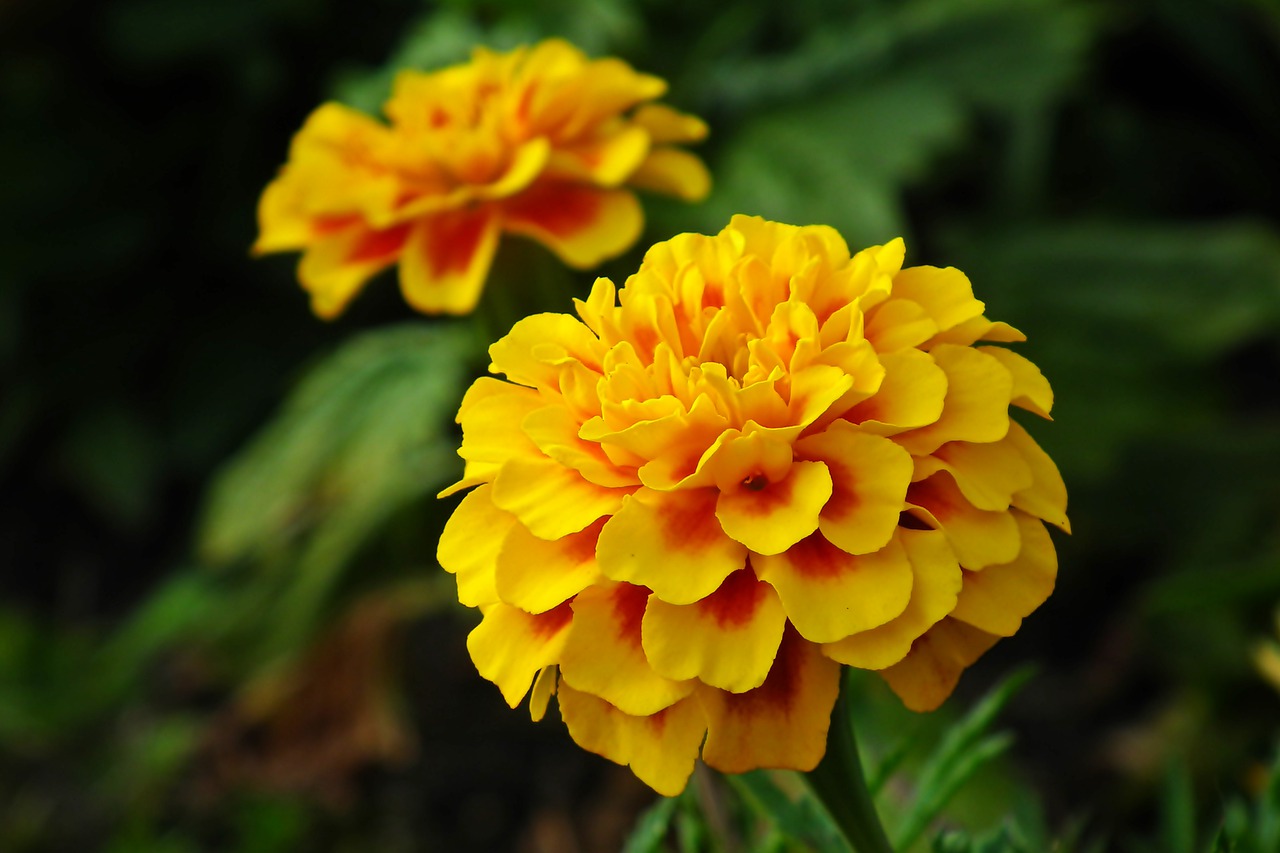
[[201, 482]]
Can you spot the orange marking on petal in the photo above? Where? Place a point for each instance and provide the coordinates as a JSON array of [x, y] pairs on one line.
[[548, 624], [377, 245], [690, 525], [737, 599], [560, 209], [629, 602], [815, 557], [452, 242], [324, 225], [779, 690]]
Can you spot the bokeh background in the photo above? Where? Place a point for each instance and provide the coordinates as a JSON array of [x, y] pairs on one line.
[[221, 622]]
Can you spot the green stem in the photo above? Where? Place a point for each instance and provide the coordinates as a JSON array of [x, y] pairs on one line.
[[839, 785]]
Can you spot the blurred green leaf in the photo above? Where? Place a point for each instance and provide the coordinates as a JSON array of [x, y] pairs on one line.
[[368, 431]]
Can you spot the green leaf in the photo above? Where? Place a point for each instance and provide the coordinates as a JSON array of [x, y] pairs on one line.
[[367, 432], [651, 828]]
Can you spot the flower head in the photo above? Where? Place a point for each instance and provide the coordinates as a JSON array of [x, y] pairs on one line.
[[541, 141], [760, 459]]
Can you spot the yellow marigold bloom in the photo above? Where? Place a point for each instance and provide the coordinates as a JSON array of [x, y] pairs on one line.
[[541, 141], [760, 459]]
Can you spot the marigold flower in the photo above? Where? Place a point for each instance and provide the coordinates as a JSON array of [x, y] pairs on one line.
[[759, 460], [541, 141]]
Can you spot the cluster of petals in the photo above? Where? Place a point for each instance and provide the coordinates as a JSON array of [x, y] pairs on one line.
[[760, 459], [540, 141]]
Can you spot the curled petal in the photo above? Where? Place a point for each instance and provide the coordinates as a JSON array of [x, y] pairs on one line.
[[979, 538], [926, 676], [829, 594], [910, 396], [550, 499], [936, 579], [869, 476], [604, 655], [728, 639], [660, 748], [670, 542], [1046, 497], [537, 575], [783, 722], [989, 475], [945, 294], [1031, 390], [770, 519], [977, 402], [469, 546], [509, 647], [997, 598]]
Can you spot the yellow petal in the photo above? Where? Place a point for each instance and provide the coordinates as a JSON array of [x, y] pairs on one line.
[[1031, 390], [604, 655], [926, 676], [490, 414], [605, 161], [665, 124], [728, 639], [673, 172], [979, 538], [769, 519], [469, 546], [988, 474], [536, 575], [783, 722], [336, 266], [945, 294], [997, 598], [509, 647], [829, 594], [660, 748], [670, 542], [544, 687], [554, 430], [869, 476], [977, 403], [550, 499], [936, 579], [539, 347], [447, 260], [583, 226], [910, 396], [1046, 497]]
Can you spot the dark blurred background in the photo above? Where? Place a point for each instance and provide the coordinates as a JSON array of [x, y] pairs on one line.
[[221, 623]]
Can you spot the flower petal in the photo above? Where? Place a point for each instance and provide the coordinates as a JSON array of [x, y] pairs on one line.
[[447, 259], [544, 687], [673, 171], [509, 647], [550, 499], [988, 474], [829, 594], [783, 722], [605, 161], [944, 293], [536, 575], [670, 542], [582, 225], [665, 124], [979, 538], [936, 579], [1046, 497], [869, 477], [977, 404], [910, 396], [1031, 390], [490, 414], [469, 546], [728, 639], [335, 267], [926, 676], [604, 655], [660, 748], [997, 598], [771, 519], [554, 430]]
